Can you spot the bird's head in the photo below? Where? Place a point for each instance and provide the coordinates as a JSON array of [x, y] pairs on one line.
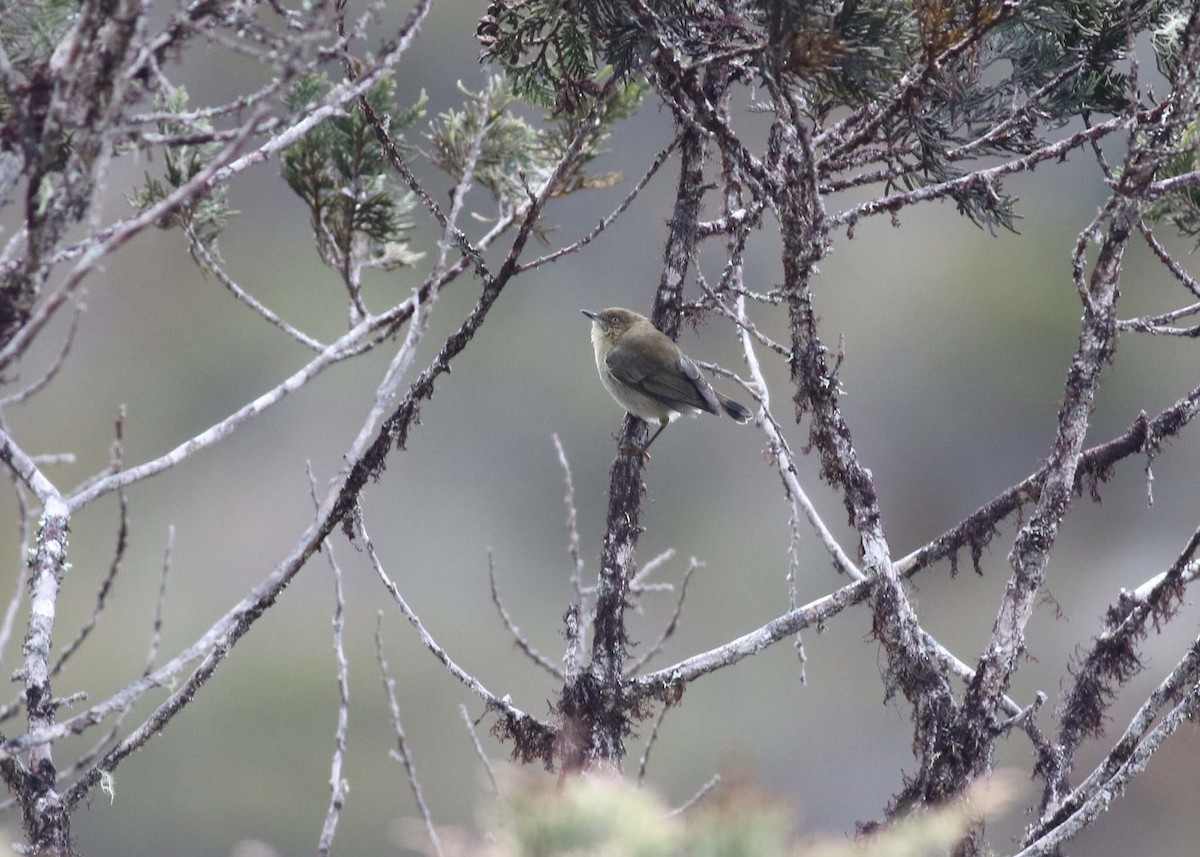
[[611, 323]]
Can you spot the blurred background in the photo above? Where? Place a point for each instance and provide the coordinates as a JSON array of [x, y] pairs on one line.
[[957, 343]]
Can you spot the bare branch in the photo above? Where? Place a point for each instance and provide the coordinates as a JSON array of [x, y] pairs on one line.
[[23, 467], [333, 353], [213, 266], [402, 753], [487, 763], [1110, 661], [105, 585], [650, 739], [698, 796], [156, 630], [672, 623], [1128, 758], [523, 644], [663, 682], [608, 221], [572, 519], [1177, 270], [52, 372], [338, 786], [1032, 547], [941, 190], [473, 684]]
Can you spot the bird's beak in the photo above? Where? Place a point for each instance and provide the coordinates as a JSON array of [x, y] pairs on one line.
[[594, 316]]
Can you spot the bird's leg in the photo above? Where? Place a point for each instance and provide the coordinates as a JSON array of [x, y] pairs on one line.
[[630, 449], [646, 455], [662, 425]]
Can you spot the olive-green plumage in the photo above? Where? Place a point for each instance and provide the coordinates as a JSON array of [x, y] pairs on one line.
[[647, 374]]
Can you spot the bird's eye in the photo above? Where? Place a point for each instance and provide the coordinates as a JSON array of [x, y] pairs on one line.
[[610, 319]]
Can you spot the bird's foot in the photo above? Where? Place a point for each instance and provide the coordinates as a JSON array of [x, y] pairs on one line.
[[631, 449]]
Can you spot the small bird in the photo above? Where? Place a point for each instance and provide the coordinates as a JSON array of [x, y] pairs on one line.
[[647, 374]]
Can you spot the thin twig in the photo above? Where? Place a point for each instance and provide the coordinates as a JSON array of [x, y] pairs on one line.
[[781, 453], [635, 667], [638, 582], [1121, 769], [487, 763], [218, 171], [14, 604], [401, 753], [213, 266], [427, 640], [156, 630], [333, 353], [694, 799], [662, 714], [50, 374], [523, 644], [91, 257], [572, 519], [659, 160], [25, 469], [398, 367], [338, 786], [86, 758], [1178, 271], [941, 190], [105, 585]]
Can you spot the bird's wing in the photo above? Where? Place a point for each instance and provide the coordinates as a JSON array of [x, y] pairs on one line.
[[676, 384], [626, 366], [700, 385]]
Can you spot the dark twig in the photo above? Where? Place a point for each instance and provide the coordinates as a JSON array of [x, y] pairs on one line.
[[1109, 662], [1127, 759], [942, 190], [1177, 271], [1095, 466], [394, 431]]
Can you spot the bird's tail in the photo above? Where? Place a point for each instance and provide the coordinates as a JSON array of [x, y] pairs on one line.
[[738, 411]]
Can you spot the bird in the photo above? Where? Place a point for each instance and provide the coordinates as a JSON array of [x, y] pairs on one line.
[[648, 375]]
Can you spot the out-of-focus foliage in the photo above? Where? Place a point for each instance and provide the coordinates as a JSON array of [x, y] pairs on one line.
[[605, 816]]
